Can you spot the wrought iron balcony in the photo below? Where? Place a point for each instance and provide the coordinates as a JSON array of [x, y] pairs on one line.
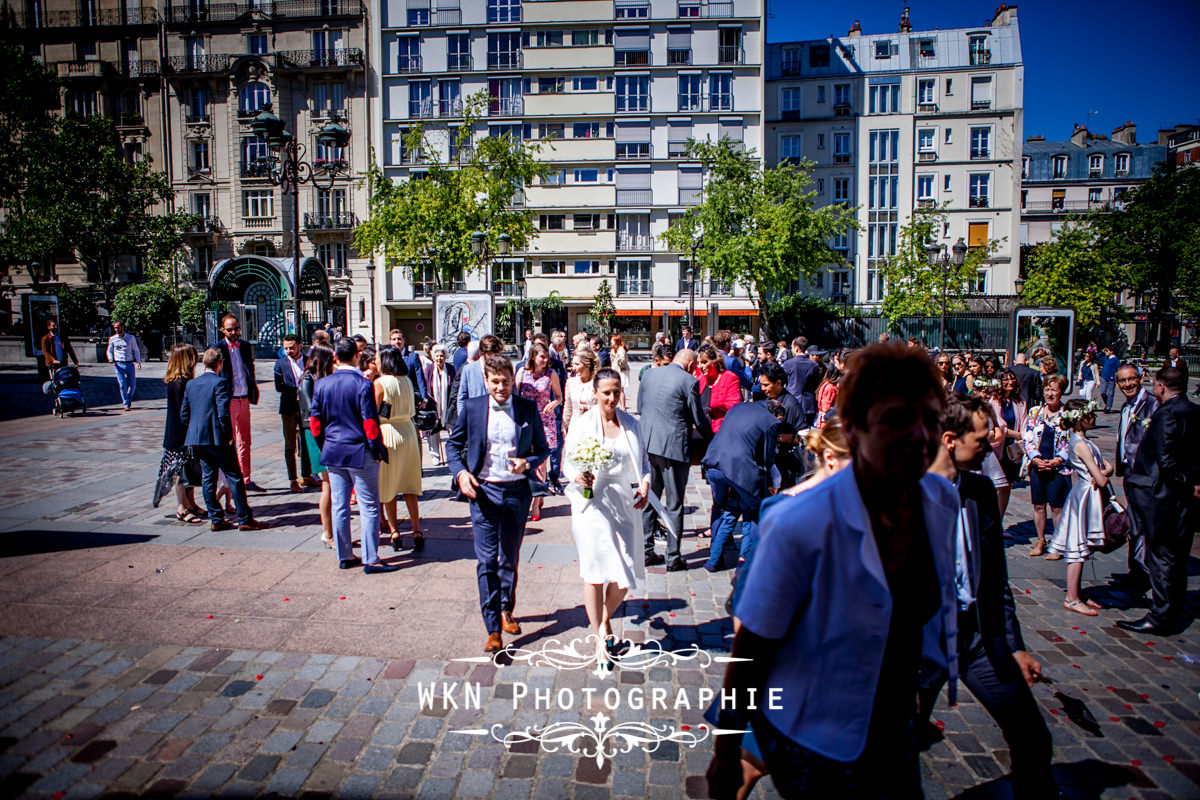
[[507, 59], [979, 202], [981, 57], [408, 63], [88, 18], [204, 226], [320, 59], [137, 68], [330, 222], [214, 63], [199, 11], [459, 62]]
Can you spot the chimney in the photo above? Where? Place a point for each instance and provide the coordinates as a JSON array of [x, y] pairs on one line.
[[855, 29], [1079, 136], [1005, 15], [1164, 135], [1125, 134], [905, 25], [1036, 139]]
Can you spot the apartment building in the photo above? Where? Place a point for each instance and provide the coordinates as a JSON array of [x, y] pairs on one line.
[[107, 56], [1183, 141], [1087, 172], [899, 121], [620, 85], [223, 63]]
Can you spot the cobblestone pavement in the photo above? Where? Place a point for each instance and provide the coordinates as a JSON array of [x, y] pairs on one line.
[[142, 656]]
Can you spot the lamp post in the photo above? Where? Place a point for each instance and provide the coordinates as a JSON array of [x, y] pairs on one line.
[[480, 247], [941, 258], [35, 272], [286, 169], [371, 280], [692, 274]]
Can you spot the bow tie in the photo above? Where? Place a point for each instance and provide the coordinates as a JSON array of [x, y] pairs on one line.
[[501, 406]]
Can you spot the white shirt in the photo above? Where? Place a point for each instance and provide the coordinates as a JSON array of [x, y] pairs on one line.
[[239, 374], [297, 365], [502, 444], [124, 349]]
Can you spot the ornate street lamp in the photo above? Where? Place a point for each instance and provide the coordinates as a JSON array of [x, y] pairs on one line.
[[286, 169], [941, 258], [35, 272]]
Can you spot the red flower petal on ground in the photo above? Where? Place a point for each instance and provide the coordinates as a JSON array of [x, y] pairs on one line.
[[1144, 696], [1169, 759], [1150, 644], [258, 677], [1058, 638], [210, 616], [941, 726], [1160, 724], [1128, 707], [1136, 763], [1168, 658], [685, 727], [1115, 719], [286, 599], [1054, 711], [1028, 592], [1111, 688], [1083, 633], [1076, 666]]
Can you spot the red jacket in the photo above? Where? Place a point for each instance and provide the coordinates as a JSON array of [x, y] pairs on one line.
[[726, 393]]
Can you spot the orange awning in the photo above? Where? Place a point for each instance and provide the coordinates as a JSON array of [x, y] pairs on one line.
[[700, 312], [633, 312]]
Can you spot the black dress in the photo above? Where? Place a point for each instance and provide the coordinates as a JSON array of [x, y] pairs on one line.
[[175, 464]]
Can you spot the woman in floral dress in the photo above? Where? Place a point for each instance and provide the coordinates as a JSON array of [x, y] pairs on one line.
[[537, 382]]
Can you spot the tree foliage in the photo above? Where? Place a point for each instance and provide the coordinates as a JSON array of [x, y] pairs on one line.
[[1069, 270], [430, 221], [603, 309], [760, 228], [148, 306], [191, 310], [915, 288], [76, 310]]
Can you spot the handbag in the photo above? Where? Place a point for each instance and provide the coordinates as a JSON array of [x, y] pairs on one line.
[[426, 417], [1117, 530]]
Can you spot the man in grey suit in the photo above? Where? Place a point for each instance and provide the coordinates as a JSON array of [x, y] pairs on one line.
[[669, 406], [1139, 406]]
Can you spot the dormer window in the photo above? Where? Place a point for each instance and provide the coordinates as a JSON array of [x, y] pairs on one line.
[[1121, 164], [1095, 165], [927, 48], [883, 49], [1060, 167], [1024, 167]]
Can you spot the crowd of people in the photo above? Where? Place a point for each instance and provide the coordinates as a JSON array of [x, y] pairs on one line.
[[870, 486]]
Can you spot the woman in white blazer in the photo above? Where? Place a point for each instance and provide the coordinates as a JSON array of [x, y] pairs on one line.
[[608, 526]]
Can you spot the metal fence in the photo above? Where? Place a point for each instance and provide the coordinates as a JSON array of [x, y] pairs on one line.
[[973, 331]]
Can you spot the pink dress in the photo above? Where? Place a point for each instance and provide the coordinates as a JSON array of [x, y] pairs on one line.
[[540, 391]]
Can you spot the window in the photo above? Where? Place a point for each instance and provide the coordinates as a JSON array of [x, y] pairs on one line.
[[1121, 164], [633, 92], [977, 234], [678, 133], [820, 186], [202, 260], [690, 92], [980, 54], [925, 140], [554, 267], [408, 54], [258, 204], [791, 62], [841, 94], [927, 48], [458, 51], [586, 222], [449, 98], [981, 93], [1024, 167], [418, 17], [548, 39], [584, 267], [585, 38], [841, 148], [202, 205], [331, 202], [729, 46], [981, 143], [420, 99], [884, 99], [925, 93], [821, 93], [631, 47], [1094, 195], [198, 110], [691, 185], [255, 155], [925, 187], [883, 48], [256, 44], [200, 158], [504, 51], [584, 83], [884, 146], [556, 177], [587, 176], [252, 98], [841, 190], [552, 129], [504, 11], [506, 277], [336, 258], [552, 85], [1095, 164], [980, 186], [585, 130], [1024, 203], [789, 103], [633, 278], [946, 184], [720, 92], [949, 86], [552, 222], [789, 148], [1059, 165], [632, 9], [818, 55], [633, 149], [948, 137], [679, 45]]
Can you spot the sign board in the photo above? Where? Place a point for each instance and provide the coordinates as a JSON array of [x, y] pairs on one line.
[[455, 312], [1051, 330], [35, 310]]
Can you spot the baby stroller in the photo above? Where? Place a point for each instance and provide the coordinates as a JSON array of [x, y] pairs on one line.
[[67, 395]]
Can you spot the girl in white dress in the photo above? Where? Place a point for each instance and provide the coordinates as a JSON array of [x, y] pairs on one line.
[[579, 395], [608, 526], [1081, 527]]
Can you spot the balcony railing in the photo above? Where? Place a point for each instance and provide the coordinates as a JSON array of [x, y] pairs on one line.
[[446, 16], [690, 197], [980, 105], [841, 158], [789, 69], [506, 106], [347, 57], [676, 149], [632, 58], [131, 119], [926, 156], [979, 202], [841, 109], [633, 150], [231, 12], [198, 119], [1062, 206], [203, 226], [730, 54], [635, 243], [980, 154], [679, 57], [635, 197], [90, 18], [408, 64], [635, 287], [215, 63], [330, 222], [81, 69], [927, 108], [459, 62], [981, 57], [258, 222], [199, 172], [508, 59], [255, 169], [138, 68], [450, 107]]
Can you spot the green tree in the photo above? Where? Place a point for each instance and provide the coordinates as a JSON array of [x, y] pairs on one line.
[[1153, 239], [603, 310], [913, 286], [191, 310], [76, 310], [148, 306], [429, 222], [760, 228], [1070, 271]]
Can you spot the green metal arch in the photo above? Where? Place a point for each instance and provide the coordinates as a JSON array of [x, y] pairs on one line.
[[230, 278]]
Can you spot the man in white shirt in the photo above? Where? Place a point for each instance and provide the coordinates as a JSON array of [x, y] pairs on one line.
[[124, 354], [243, 390], [1140, 405], [289, 369]]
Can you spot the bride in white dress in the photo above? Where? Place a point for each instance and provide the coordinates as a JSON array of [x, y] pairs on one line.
[[608, 526]]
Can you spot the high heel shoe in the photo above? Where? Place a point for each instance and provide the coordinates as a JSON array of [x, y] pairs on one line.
[[418, 542], [327, 542], [397, 542]]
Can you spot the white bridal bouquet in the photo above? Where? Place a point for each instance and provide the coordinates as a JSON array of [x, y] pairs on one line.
[[589, 455]]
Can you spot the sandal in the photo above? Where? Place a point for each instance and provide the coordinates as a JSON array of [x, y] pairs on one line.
[[187, 516], [1093, 604], [397, 541], [418, 542], [1038, 549], [1080, 607]]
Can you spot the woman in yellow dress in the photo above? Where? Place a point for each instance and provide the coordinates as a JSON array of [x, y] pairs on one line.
[[401, 475]]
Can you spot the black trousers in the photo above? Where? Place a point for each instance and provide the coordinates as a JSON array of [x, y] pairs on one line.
[[1137, 539], [498, 515], [223, 458], [1167, 549], [1011, 704], [668, 479], [293, 438]]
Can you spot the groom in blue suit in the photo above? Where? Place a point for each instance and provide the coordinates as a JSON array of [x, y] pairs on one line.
[[496, 445]]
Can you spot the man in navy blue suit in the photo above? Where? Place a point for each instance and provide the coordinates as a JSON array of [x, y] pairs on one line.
[[496, 445], [803, 378], [687, 341], [288, 371], [416, 370], [205, 412], [345, 423]]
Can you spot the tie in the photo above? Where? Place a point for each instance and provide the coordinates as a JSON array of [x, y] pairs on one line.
[[507, 407]]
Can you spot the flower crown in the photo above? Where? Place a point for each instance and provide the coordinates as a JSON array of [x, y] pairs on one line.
[[1077, 414]]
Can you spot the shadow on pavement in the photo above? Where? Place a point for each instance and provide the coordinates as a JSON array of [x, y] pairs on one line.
[[1079, 780], [25, 543]]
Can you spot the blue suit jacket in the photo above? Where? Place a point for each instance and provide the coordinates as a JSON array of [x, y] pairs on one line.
[[205, 411], [285, 385], [343, 402], [246, 350], [802, 383], [416, 374], [687, 344], [467, 446], [744, 448]]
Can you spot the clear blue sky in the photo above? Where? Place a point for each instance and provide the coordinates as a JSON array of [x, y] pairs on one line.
[[1126, 60]]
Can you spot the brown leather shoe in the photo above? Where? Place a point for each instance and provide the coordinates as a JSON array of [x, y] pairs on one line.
[[221, 526], [494, 643], [253, 525], [508, 624]]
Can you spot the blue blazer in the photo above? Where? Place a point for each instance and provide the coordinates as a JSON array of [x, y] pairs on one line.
[[416, 374], [246, 350], [687, 344], [344, 403], [205, 411], [285, 385], [467, 446], [744, 448]]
